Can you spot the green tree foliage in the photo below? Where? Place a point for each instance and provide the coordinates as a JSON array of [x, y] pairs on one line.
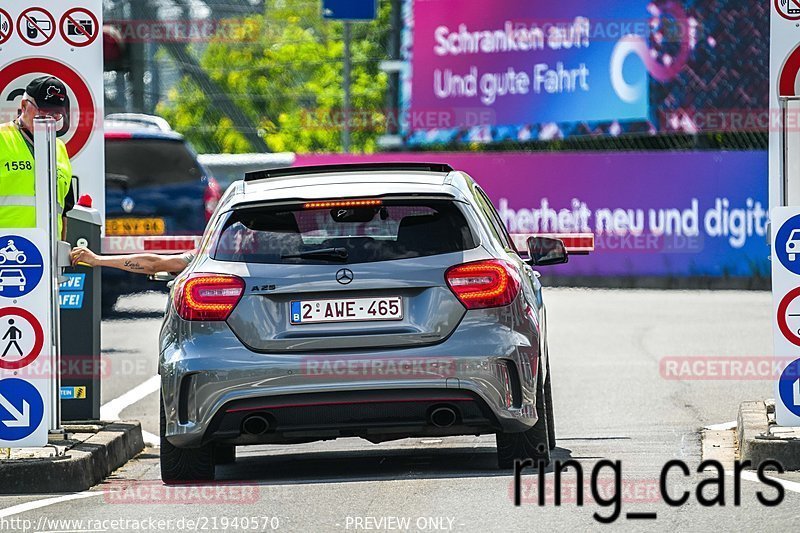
[[284, 69]]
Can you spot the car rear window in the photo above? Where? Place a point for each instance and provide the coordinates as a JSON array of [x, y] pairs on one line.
[[397, 229], [145, 162]]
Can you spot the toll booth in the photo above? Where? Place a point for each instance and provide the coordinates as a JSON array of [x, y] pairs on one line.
[[79, 302]]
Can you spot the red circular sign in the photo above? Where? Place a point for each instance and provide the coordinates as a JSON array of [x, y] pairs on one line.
[[783, 312], [787, 80], [80, 31], [38, 340], [792, 9], [86, 110], [7, 23], [38, 22]]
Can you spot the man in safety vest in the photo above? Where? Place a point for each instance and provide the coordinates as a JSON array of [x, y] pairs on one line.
[[44, 96]]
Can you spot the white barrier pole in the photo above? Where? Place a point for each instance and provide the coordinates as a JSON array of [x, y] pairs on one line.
[[47, 216]]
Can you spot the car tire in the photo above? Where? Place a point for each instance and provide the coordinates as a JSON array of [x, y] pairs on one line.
[[532, 444], [224, 455], [21, 258], [179, 465]]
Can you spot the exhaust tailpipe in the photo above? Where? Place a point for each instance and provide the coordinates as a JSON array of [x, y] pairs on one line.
[[443, 417], [255, 425]]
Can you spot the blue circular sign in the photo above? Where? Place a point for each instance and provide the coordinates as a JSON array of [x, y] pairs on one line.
[[789, 387], [21, 409], [787, 244], [21, 266]]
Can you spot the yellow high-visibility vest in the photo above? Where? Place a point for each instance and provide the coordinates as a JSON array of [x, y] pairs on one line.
[[18, 180]]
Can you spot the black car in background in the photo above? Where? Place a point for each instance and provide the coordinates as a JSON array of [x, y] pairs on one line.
[[155, 186]]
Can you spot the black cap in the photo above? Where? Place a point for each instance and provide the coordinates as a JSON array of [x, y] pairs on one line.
[[49, 94]]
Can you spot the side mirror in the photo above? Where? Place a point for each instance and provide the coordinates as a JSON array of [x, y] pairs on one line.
[[545, 251]]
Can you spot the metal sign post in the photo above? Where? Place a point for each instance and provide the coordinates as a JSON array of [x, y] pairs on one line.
[[348, 11], [47, 215], [784, 185], [70, 49], [346, 111], [28, 308]]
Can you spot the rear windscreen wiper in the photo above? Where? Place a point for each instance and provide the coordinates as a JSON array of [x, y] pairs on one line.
[[324, 254]]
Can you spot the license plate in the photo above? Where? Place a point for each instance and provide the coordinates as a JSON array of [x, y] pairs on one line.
[[346, 310], [135, 226]]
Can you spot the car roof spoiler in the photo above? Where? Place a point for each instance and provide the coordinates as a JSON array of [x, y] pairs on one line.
[[286, 172]]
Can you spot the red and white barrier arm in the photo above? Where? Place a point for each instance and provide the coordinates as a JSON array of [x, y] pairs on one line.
[[151, 245], [576, 243]]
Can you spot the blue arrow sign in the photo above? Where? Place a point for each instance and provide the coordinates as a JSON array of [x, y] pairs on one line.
[[350, 9], [21, 409], [789, 387], [21, 266]]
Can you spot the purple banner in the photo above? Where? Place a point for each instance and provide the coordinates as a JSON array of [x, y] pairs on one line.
[[653, 214]]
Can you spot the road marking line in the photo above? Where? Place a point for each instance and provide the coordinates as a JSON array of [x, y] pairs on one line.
[[38, 504], [788, 485], [109, 411], [112, 409], [722, 427]]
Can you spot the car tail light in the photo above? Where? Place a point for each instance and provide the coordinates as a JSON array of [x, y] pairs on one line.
[[483, 284], [211, 197], [208, 297]]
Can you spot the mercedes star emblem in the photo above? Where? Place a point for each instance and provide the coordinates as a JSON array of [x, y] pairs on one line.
[[344, 276]]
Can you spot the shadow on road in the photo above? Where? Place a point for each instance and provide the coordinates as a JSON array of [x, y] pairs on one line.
[[353, 466], [114, 316]]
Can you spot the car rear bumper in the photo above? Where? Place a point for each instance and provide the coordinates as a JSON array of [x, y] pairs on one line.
[[376, 415], [211, 383]]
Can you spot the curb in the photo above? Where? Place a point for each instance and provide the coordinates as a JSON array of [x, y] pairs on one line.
[[82, 467], [755, 442]]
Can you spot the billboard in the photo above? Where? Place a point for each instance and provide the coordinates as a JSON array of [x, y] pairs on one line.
[[517, 71], [527, 61], [665, 214]]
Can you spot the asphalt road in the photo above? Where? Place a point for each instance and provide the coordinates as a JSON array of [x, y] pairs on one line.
[[613, 400]]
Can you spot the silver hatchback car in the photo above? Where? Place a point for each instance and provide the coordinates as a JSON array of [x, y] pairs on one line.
[[380, 301]]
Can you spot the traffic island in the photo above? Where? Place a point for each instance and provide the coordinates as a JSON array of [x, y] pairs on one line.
[[88, 454], [759, 438]]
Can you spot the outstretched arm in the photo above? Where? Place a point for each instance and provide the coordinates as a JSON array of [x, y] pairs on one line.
[[138, 263]]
